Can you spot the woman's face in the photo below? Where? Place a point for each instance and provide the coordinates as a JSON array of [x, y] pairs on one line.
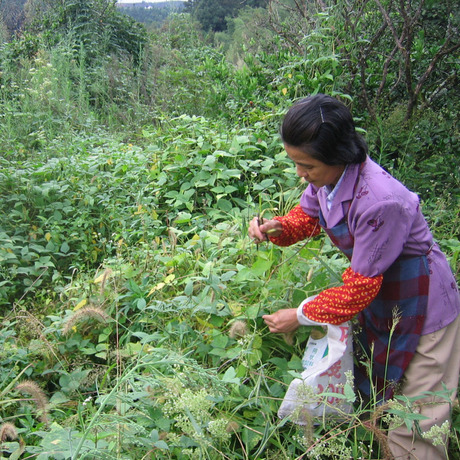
[[314, 171]]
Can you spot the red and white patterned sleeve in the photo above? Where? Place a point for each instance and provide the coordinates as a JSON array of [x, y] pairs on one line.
[[297, 226], [339, 304]]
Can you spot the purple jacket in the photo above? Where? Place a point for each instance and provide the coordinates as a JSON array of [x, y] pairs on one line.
[[386, 222]]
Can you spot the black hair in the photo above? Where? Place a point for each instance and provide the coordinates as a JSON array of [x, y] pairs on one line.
[[323, 127]]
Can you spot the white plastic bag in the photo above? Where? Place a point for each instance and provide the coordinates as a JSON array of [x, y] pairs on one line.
[[325, 362]]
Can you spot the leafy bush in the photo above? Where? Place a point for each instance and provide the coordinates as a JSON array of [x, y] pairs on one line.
[[70, 212], [175, 272]]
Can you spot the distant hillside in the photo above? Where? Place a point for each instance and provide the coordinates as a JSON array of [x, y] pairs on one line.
[[175, 4], [151, 13]]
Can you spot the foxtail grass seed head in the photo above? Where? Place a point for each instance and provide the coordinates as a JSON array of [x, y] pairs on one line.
[[38, 396], [232, 427], [373, 426], [8, 431], [106, 275], [172, 237], [289, 337], [94, 313], [238, 329]]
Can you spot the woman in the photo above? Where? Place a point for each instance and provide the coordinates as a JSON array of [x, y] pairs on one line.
[[399, 284]]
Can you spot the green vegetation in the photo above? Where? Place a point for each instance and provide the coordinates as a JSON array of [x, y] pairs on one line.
[[214, 14], [131, 162], [155, 15]]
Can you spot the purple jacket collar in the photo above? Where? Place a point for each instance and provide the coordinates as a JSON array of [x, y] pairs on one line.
[[341, 201]]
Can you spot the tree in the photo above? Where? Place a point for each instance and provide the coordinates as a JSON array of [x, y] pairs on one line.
[[95, 24], [12, 15], [213, 14], [392, 51], [405, 44]]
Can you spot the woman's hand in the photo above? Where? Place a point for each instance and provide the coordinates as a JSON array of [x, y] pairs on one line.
[[282, 321], [260, 228]]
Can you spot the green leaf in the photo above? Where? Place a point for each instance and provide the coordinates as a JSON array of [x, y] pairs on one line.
[[254, 357], [224, 205], [230, 376], [349, 393], [261, 266], [188, 290], [220, 341], [227, 276], [60, 442], [161, 445], [16, 455], [141, 304], [183, 218], [256, 342], [65, 248], [252, 311]]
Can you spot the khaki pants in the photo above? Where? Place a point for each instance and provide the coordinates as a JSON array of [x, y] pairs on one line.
[[436, 361]]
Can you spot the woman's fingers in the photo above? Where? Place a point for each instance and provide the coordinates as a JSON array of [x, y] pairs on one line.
[[284, 320], [259, 229], [255, 232]]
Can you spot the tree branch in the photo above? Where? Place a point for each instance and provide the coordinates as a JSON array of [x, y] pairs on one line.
[[443, 51]]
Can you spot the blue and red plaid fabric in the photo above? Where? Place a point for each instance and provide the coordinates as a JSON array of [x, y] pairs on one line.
[[340, 235], [390, 327]]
